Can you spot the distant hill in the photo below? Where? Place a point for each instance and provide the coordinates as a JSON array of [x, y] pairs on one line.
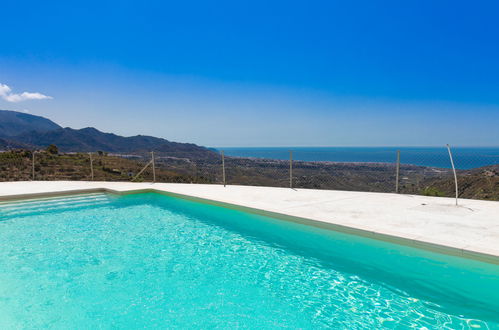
[[14, 123], [477, 183], [20, 130]]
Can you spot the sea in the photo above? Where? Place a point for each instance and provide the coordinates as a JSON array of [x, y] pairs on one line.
[[463, 157]]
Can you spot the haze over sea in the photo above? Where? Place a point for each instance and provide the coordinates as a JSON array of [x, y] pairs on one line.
[[464, 157]]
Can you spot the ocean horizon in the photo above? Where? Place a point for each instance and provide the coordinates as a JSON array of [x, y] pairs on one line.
[[464, 157]]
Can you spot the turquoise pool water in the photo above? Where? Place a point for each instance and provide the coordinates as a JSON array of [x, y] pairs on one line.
[[152, 261]]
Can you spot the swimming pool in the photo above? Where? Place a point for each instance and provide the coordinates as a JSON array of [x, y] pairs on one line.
[[156, 261]]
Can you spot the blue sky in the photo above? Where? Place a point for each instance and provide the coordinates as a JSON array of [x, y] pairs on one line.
[[259, 73]]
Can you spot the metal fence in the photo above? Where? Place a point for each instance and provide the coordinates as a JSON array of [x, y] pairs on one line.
[[452, 172]]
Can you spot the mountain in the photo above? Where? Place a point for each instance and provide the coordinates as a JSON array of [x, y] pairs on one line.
[[39, 132], [14, 123], [8, 144]]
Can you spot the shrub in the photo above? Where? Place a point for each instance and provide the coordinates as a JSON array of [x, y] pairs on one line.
[[52, 149], [432, 191]]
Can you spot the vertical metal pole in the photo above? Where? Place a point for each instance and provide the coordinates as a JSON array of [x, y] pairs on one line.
[[454, 170], [397, 173], [291, 169], [91, 167], [33, 166], [223, 168], [153, 167], [195, 172]]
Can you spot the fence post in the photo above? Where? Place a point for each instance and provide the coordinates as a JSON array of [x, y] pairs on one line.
[[91, 167], [454, 170], [291, 169], [33, 166], [153, 167], [397, 173], [223, 168]]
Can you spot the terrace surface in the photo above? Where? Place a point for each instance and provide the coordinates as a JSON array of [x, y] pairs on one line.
[[470, 229]]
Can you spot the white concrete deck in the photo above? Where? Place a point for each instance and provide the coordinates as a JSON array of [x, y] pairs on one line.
[[470, 230]]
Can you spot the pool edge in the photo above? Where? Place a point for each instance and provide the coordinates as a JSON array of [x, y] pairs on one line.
[[418, 244]]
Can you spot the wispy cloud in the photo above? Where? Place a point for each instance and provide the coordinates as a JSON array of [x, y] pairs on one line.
[[7, 95]]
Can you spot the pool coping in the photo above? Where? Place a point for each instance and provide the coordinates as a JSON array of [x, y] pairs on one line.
[[414, 243]]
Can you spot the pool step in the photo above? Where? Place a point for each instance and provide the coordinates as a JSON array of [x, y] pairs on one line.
[[51, 204]]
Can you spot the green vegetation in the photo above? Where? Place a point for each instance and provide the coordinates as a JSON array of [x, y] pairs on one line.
[[52, 149], [481, 183], [478, 183], [432, 191], [17, 166]]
